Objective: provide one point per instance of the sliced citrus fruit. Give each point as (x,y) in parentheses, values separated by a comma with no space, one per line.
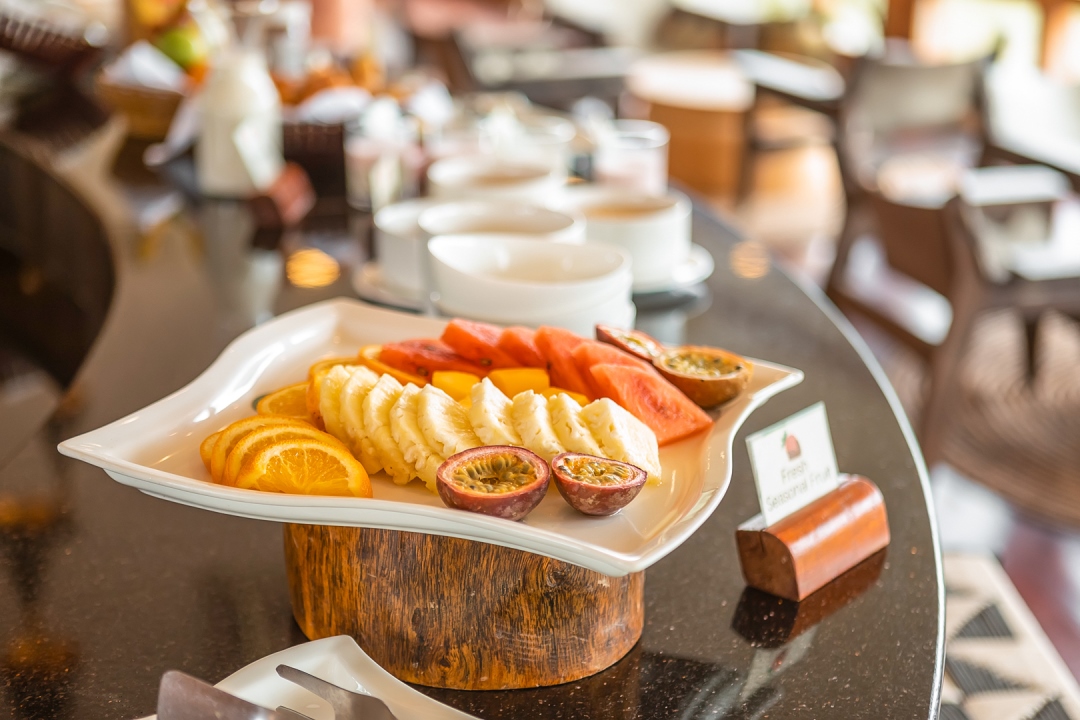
(315,375)
(259,438)
(231,435)
(305,466)
(289,401)
(206,448)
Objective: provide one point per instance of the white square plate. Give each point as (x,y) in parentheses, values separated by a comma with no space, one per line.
(156,451)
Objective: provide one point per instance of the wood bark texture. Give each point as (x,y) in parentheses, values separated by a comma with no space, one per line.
(453,613)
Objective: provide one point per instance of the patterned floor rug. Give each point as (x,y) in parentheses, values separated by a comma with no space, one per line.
(999,665)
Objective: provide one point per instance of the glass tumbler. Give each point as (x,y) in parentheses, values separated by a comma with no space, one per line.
(632,154)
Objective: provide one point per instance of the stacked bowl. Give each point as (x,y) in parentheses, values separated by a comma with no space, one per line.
(515,280)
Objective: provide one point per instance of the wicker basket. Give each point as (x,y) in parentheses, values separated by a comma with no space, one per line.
(42,42)
(149,111)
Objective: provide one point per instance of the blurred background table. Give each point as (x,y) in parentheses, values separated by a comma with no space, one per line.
(105,588)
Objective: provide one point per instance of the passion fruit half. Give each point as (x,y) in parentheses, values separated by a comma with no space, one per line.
(595,485)
(708,376)
(634,342)
(498,480)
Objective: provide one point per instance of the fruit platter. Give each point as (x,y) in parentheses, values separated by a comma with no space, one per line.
(343,414)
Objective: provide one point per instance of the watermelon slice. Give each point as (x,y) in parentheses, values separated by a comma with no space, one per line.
(520,344)
(478,342)
(423,357)
(651,399)
(591,352)
(557,346)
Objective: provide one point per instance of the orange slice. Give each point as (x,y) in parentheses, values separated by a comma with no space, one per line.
(288,401)
(255,440)
(369,355)
(231,435)
(315,375)
(305,466)
(206,448)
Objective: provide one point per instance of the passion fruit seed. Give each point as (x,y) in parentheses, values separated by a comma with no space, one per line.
(595,471)
(699,364)
(494,474)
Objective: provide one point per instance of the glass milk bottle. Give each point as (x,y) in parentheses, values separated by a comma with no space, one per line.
(238,153)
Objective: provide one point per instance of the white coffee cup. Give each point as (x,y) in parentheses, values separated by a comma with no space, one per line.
(399,246)
(483,177)
(468,217)
(654,230)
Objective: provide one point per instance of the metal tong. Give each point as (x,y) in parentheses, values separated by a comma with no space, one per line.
(183,697)
(348,705)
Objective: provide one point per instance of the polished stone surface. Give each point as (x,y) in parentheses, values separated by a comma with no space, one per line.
(102,588)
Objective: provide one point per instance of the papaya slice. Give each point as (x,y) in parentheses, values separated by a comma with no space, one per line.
(514,381)
(520,344)
(425,356)
(478,342)
(652,400)
(556,346)
(456,384)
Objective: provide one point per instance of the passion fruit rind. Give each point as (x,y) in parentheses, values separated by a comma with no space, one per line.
(634,342)
(595,485)
(497,480)
(708,376)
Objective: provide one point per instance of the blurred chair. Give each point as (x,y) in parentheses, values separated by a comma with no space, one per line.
(940,249)
(56,270)
(793,79)
(896,108)
(906,118)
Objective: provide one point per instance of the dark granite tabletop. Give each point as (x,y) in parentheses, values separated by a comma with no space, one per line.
(103,588)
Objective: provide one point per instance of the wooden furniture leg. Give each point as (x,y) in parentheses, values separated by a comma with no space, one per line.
(1031,333)
(944,369)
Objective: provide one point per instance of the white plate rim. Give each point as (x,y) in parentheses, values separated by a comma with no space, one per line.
(98,447)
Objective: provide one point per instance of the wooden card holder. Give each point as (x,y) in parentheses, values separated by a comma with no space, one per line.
(804,551)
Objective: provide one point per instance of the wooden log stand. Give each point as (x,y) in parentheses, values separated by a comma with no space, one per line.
(459,614)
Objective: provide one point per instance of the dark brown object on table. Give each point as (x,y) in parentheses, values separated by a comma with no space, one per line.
(453,613)
(149,111)
(319,148)
(799,554)
(286,202)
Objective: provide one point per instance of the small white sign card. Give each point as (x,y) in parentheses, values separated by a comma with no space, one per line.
(794,462)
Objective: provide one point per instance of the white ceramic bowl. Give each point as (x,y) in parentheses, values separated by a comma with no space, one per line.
(514,279)
(399,246)
(482,177)
(469,217)
(654,230)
